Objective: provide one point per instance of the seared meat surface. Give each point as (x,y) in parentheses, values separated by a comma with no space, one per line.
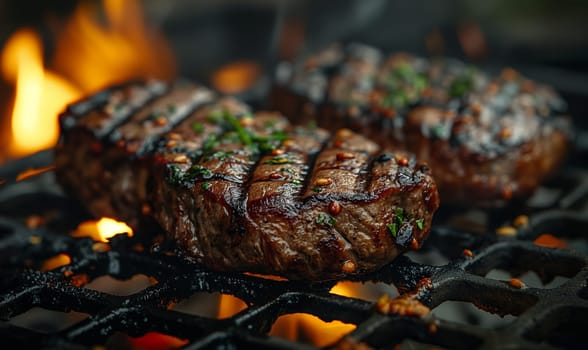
(488,140)
(243,191)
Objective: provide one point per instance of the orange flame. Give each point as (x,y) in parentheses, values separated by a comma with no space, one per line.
(300,326)
(102,229)
(89,55)
(40,95)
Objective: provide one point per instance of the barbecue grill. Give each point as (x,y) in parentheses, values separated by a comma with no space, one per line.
(545,317)
(463,268)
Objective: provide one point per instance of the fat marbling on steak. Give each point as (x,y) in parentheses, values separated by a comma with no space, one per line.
(243,191)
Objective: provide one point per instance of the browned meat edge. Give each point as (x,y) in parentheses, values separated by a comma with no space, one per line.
(240,191)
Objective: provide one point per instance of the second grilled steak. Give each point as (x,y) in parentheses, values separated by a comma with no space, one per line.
(488,140)
(242,191)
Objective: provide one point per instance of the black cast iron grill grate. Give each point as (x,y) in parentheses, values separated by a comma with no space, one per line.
(545,317)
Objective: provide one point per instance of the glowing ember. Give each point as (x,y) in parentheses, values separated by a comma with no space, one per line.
(299,326)
(40,95)
(229,306)
(159,341)
(550,241)
(236,77)
(33,172)
(55,262)
(102,229)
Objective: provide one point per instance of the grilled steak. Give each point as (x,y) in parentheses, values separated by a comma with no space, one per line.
(488,140)
(243,191)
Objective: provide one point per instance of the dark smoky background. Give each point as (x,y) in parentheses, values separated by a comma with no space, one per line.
(544,39)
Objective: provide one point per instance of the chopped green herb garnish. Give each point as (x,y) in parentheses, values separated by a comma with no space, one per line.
(331,221)
(269,123)
(206,185)
(220,155)
(198,127)
(296,182)
(326,219)
(244,135)
(397,222)
(288,170)
(215,116)
(198,171)
(321,218)
(171,108)
(419,223)
(210,143)
(317,189)
(175,176)
(278,160)
(463,83)
(399,215)
(393,230)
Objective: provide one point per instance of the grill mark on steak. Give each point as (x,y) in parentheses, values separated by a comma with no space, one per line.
(139,134)
(232,192)
(488,139)
(103,114)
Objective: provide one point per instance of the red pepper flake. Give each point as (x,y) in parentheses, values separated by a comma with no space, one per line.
(344,133)
(68,273)
(338,143)
(345,155)
(247,121)
(505,133)
(174,136)
(288,143)
(182,158)
(275,176)
(348,266)
(516,283)
(414,244)
(403,161)
(277,152)
(468,253)
(161,121)
(120,143)
(171,143)
(323,181)
(405,305)
(334,208)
